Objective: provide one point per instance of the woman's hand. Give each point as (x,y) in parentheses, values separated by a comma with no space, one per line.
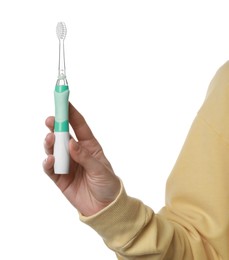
(91,184)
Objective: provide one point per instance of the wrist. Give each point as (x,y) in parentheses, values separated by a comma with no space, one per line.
(101,204)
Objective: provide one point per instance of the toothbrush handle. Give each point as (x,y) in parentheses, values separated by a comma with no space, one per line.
(61,130)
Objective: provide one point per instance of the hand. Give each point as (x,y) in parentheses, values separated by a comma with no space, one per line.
(91,184)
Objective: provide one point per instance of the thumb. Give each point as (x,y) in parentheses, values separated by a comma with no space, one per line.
(82,156)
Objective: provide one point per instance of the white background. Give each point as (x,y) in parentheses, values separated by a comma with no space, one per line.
(137,70)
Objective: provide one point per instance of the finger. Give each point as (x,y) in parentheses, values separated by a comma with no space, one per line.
(82,156)
(48,143)
(79,125)
(50,123)
(48,164)
(61,180)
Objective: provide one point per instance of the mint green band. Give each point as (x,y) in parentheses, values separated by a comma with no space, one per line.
(61,88)
(61,126)
(61,95)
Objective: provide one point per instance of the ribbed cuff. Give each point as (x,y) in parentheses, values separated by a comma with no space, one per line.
(119,222)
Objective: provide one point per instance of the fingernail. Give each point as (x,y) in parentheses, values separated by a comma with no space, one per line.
(45,161)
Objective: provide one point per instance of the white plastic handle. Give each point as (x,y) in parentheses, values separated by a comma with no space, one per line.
(61,153)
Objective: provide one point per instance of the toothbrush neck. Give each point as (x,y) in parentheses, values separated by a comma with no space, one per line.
(61,68)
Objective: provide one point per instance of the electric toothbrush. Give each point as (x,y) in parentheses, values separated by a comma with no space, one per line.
(61,95)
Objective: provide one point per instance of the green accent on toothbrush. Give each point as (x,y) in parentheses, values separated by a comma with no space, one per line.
(61,95)
(61,88)
(61,126)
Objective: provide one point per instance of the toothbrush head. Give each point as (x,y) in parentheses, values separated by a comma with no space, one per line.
(61,30)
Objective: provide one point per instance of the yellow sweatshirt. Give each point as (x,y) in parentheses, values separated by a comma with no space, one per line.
(194,224)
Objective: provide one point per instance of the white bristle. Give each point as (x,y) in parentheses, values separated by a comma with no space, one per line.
(61,30)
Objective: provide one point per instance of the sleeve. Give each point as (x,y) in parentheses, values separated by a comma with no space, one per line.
(194,223)
(197,193)
(133,231)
